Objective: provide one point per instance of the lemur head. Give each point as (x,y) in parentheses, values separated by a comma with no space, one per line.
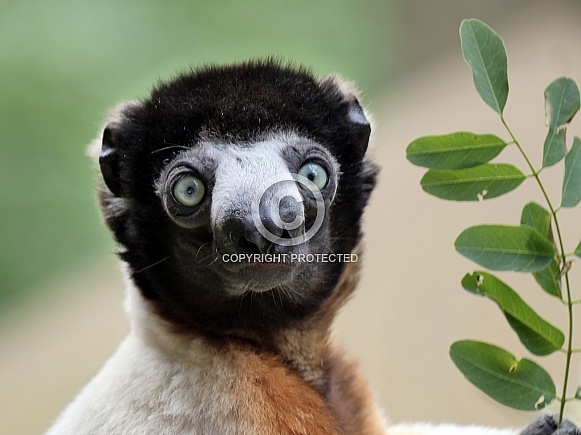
(242,159)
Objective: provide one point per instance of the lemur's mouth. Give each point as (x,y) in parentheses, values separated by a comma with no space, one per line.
(265,265)
(259,276)
(254,266)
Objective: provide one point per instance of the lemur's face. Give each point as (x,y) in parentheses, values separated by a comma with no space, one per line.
(236,193)
(250,213)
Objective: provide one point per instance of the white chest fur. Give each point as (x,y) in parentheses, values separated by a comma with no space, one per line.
(162,382)
(144,390)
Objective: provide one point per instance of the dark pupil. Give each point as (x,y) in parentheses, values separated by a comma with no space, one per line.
(312,176)
(190,190)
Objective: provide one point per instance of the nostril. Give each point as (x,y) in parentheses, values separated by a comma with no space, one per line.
(247,245)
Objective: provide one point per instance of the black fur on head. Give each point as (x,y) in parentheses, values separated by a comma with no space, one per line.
(189,125)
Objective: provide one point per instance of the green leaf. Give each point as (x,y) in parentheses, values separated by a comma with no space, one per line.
(484,52)
(572,181)
(538,335)
(537,217)
(561,104)
(473,184)
(454,151)
(550,279)
(520,384)
(578,250)
(535,343)
(500,247)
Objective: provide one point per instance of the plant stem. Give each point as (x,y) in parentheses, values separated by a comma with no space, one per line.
(536,175)
(563,259)
(569,345)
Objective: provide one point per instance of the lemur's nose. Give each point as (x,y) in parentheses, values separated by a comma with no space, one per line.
(241,236)
(270,232)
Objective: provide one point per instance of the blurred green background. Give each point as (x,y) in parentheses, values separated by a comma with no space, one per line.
(64,64)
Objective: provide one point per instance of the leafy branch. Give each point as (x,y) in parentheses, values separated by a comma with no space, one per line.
(460,169)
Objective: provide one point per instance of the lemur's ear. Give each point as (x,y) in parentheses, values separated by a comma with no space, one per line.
(107,150)
(362,125)
(355,114)
(109,159)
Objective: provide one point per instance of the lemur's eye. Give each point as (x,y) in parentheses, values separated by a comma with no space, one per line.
(188,190)
(315,173)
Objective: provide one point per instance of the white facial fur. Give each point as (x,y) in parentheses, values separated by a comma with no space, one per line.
(246,172)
